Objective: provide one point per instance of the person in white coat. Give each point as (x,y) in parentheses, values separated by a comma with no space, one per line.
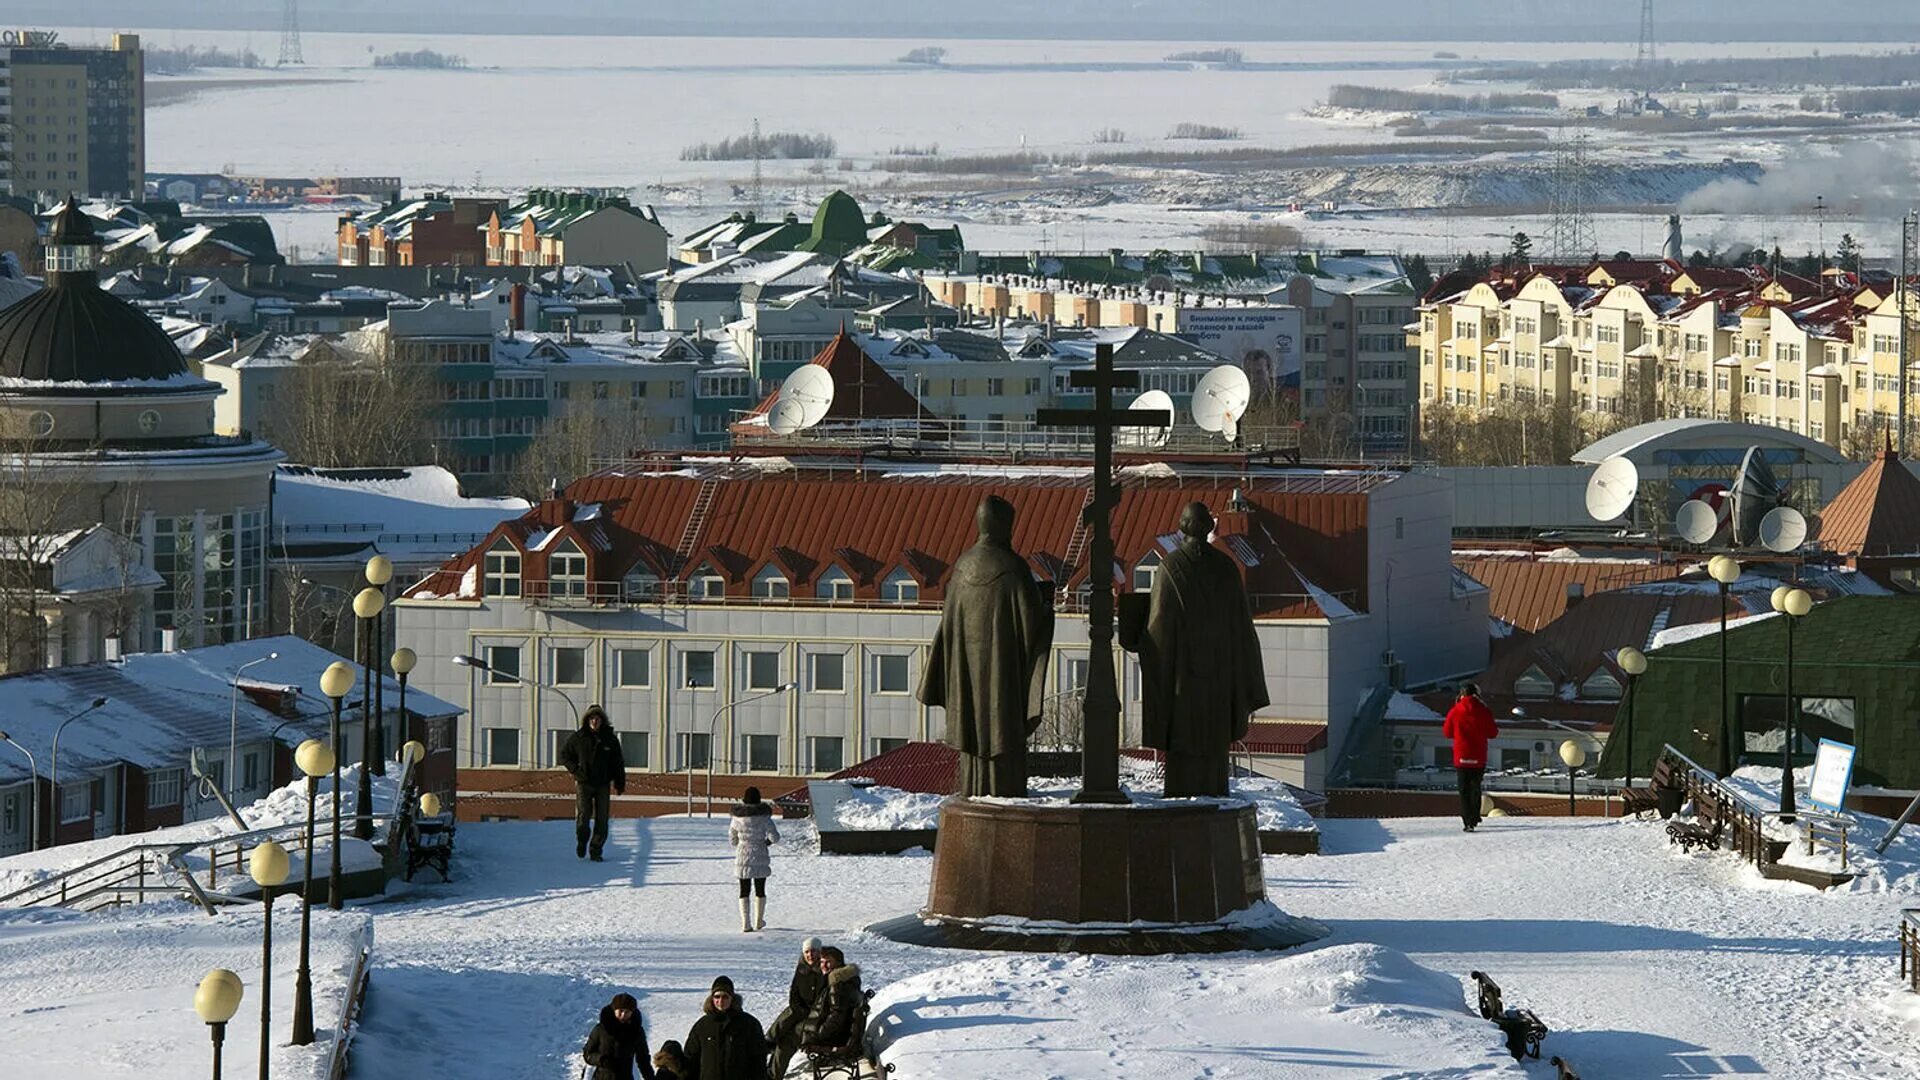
(752,835)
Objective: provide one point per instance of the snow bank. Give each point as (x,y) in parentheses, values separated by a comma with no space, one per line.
(1346,1010)
(1895,871)
(879,807)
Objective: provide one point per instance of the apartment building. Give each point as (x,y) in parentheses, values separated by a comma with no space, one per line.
(434,230)
(72,118)
(570,228)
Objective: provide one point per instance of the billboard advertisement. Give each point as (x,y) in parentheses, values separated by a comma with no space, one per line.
(1264,341)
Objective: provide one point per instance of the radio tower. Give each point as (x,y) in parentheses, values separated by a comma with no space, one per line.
(757,178)
(1643,56)
(1570,235)
(290,34)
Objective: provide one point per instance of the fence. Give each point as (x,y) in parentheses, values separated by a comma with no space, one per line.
(1910,948)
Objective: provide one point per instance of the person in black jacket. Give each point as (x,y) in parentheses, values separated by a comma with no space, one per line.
(807,984)
(592,755)
(669,1063)
(830,1023)
(618,1041)
(726,1043)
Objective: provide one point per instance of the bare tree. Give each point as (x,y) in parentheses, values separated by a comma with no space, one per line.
(567,448)
(342,409)
(44,494)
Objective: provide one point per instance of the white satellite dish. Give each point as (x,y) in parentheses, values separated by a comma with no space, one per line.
(1783,529)
(1696,522)
(1150,401)
(1611,489)
(1220,399)
(804,399)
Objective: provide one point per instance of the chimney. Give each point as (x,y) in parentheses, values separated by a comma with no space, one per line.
(169,639)
(113,648)
(1576,592)
(517,303)
(1675,247)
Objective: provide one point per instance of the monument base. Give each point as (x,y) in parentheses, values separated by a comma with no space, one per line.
(1154,876)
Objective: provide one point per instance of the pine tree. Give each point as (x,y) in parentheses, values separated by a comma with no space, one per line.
(1848,254)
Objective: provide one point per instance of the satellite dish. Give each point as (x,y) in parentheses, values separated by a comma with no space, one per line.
(1149,436)
(785,417)
(1220,399)
(1755,492)
(1696,522)
(809,391)
(1783,529)
(1611,489)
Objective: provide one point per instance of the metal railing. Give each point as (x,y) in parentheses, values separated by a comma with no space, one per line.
(1910,948)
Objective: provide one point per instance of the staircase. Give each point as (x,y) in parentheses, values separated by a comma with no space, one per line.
(1077,543)
(696,521)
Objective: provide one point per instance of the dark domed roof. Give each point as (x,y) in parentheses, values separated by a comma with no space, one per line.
(71,226)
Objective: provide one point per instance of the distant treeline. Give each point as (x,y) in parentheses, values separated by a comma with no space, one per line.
(925,54)
(1751,72)
(421,58)
(1030,161)
(1203,131)
(178,61)
(1207,56)
(776,144)
(1346,96)
(1900,101)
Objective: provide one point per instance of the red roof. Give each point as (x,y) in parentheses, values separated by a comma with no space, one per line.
(1528,593)
(1283,738)
(1878,514)
(862,390)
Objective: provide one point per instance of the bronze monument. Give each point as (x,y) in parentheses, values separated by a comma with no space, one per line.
(1200,663)
(988,665)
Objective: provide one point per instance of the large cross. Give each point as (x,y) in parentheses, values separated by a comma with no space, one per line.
(1100,707)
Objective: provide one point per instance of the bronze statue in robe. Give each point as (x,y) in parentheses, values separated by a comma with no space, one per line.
(988,665)
(1200,665)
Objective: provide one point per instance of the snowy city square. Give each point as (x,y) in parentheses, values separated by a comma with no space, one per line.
(870,540)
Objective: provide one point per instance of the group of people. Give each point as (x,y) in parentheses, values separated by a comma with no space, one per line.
(727,1042)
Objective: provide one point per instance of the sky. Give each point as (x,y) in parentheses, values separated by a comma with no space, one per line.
(1228,20)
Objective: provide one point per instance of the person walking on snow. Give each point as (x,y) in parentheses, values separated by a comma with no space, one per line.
(751,834)
(1470,724)
(726,1043)
(618,1041)
(592,755)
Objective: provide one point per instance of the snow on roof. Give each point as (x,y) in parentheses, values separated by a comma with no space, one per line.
(415,514)
(1674,635)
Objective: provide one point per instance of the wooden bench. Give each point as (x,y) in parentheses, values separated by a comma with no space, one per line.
(1637,801)
(1709,821)
(1524,1030)
(430,843)
(850,1058)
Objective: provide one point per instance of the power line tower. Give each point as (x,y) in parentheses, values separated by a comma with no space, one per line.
(290,33)
(1570,235)
(1644,56)
(758,179)
(1909,262)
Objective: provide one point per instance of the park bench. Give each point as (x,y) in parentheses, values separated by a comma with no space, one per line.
(430,843)
(1638,801)
(1524,1030)
(1709,821)
(850,1057)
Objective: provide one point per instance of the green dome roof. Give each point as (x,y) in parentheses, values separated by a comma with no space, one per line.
(839,226)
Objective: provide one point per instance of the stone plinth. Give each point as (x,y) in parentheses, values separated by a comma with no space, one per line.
(1140,878)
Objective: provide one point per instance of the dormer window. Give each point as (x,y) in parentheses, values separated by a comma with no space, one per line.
(1601,686)
(899,587)
(502,570)
(640,584)
(1143,572)
(834,586)
(707,584)
(771,584)
(1533,683)
(567,571)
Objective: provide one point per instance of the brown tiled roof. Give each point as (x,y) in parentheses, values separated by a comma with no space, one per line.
(1878,514)
(1283,738)
(1530,593)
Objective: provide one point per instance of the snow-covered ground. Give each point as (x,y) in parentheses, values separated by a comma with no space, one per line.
(879,807)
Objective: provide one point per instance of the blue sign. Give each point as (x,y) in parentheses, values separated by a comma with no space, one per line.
(1832,775)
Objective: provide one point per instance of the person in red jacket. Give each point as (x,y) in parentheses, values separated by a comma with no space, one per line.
(1470,724)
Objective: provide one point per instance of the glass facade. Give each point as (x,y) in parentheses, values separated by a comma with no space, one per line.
(213,576)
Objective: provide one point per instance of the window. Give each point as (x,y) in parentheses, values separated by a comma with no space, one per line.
(886,746)
(827,672)
(640,584)
(250,771)
(633,749)
(770,584)
(900,588)
(163,787)
(503,665)
(1533,683)
(76,802)
(1073,673)
(824,752)
(1443,757)
(696,750)
(707,584)
(1511,758)
(503,746)
(502,570)
(762,752)
(1601,686)
(1762,734)
(567,571)
(696,670)
(760,670)
(834,585)
(568,664)
(1143,572)
(10,814)
(891,674)
(633,668)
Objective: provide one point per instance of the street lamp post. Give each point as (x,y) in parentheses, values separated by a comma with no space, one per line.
(233,723)
(715,719)
(367,606)
(1633,662)
(477,664)
(1725,570)
(402,662)
(379,572)
(53,768)
(267,865)
(33,787)
(313,758)
(335,682)
(1574,756)
(1794,603)
(216,1000)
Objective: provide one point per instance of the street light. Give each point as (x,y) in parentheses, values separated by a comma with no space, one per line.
(33,771)
(430,805)
(379,572)
(233,721)
(335,682)
(313,758)
(1725,570)
(403,662)
(367,606)
(1794,603)
(478,664)
(216,1000)
(715,719)
(1575,756)
(1634,663)
(267,865)
(53,770)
